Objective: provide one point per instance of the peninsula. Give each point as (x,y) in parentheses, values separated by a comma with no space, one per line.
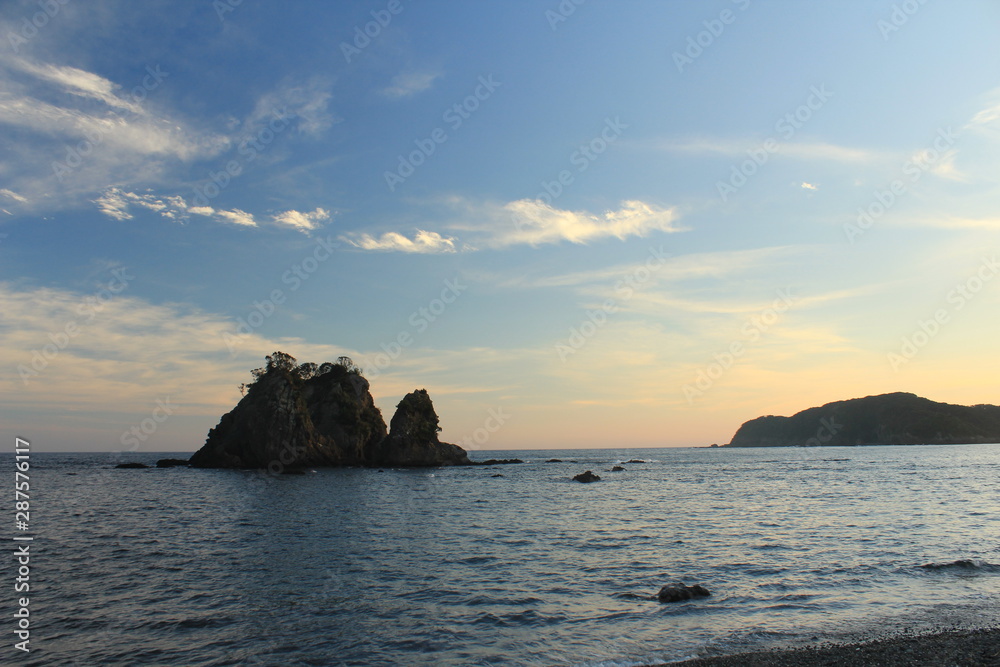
(887,419)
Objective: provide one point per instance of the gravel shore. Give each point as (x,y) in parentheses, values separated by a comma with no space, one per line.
(963,648)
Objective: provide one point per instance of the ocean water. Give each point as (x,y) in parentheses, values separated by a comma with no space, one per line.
(454,566)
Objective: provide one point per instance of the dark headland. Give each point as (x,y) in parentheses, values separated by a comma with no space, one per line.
(887,419)
(294,416)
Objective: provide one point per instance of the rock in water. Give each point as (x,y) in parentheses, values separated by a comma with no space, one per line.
(413,437)
(617,469)
(287,422)
(496,462)
(678,592)
(307,416)
(131,465)
(586,477)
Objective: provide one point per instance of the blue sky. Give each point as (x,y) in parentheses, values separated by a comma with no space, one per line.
(612,224)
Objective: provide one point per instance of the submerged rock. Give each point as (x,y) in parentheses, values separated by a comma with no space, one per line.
(617,469)
(131,465)
(678,592)
(497,462)
(587,477)
(554,461)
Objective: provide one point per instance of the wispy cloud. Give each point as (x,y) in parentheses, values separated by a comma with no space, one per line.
(304,222)
(10,194)
(237,217)
(422,242)
(117,203)
(410,83)
(533,222)
(736,148)
(809,186)
(306,102)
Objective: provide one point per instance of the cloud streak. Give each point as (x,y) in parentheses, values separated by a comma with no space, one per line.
(526,222)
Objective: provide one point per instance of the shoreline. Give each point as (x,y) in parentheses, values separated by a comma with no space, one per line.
(956,648)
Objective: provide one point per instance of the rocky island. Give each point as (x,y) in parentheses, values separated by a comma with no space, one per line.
(887,419)
(293,416)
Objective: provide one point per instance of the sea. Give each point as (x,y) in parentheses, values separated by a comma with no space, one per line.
(504,565)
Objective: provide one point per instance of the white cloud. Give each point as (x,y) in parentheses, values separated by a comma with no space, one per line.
(422,242)
(237,217)
(10,194)
(304,222)
(78,82)
(116,203)
(533,222)
(526,222)
(406,84)
(809,186)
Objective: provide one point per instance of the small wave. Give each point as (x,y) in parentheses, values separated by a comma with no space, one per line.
(965,565)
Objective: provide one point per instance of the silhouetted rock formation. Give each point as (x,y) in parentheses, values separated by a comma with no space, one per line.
(413,437)
(888,419)
(308,416)
(131,465)
(587,477)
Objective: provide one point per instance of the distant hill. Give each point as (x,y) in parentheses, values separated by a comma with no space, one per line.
(888,419)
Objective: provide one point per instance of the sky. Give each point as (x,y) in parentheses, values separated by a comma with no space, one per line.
(576,224)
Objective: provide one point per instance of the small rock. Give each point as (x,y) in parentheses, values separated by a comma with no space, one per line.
(131,465)
(497,475)
(617,469)
(554,461)
(678,592)
(586,477)
(635,461)
(496,462)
